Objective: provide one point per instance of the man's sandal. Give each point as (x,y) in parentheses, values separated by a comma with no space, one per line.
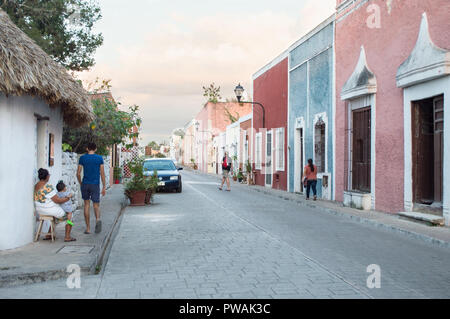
(69,240)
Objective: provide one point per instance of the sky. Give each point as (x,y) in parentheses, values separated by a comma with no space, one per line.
(159,53)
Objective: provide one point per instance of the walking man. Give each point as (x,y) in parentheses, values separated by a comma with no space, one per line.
(93,167)
(226,168)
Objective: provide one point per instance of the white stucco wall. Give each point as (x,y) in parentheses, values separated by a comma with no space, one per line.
(233,142)
(18,164)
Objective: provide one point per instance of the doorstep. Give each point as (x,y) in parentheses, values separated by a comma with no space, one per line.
(427,218)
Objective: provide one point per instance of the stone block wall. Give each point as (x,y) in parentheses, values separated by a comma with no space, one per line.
(69,175)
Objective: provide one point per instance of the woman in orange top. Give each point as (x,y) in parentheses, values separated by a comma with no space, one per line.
(310,176)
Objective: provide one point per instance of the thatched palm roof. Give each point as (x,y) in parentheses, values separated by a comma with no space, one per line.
(25,69)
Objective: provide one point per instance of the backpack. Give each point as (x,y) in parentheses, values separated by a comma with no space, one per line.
(225,164)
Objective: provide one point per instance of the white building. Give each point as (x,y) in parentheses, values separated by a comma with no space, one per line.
(36,97)
(176,140)
(236,142)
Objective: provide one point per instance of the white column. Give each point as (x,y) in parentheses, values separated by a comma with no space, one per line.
(446,169)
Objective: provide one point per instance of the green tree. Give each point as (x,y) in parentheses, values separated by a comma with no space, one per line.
(110,126)
(212,93)
(179,132)
(153,145)
(62,28)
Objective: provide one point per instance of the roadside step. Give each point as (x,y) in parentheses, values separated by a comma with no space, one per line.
(421,217)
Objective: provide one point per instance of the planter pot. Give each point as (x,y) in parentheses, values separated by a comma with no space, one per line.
(148,198)
(117,181)
(240,180)
(249,178)
(362,201)
(138,198)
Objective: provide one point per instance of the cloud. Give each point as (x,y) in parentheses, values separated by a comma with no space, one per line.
(165,71)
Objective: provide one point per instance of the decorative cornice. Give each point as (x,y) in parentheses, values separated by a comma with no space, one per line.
(361,82)
(426,61)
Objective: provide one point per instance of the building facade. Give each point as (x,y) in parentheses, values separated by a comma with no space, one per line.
(246,144)
(270,88)
(37,96)
(188,144)
(175,146)
(209,123)
(311,108)
(392,87)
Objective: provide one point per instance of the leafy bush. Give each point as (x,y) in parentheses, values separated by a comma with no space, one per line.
(159,155)
(110,126)
(117,172)
(66,147)
(140,182)
(248,167)
(212,93)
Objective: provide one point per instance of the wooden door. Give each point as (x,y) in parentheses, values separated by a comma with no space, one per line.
(423,151)
(438,148)
(361,159)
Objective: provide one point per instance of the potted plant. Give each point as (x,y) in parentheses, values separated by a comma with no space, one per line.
(140,189)
(117,175)
(194,166)
(248,170)
(152,187)
(235,177)
(240,176)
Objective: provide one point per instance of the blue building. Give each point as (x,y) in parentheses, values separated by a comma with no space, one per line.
(311,108)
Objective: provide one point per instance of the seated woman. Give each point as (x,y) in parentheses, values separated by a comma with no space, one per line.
(47,202)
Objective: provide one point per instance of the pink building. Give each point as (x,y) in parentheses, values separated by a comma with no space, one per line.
(270,88)
(209,123)
(392,86)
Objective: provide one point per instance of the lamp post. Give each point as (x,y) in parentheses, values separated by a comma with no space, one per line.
(239,91)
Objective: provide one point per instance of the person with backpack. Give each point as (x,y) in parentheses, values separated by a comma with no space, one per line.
(310,179)
(226,168)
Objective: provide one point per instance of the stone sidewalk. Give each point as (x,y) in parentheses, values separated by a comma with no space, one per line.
(439,236)
(44,260)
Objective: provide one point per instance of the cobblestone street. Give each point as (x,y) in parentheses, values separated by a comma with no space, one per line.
(204,243)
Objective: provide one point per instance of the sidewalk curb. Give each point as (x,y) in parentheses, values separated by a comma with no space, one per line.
(107,242)
(394,229)
(14,280)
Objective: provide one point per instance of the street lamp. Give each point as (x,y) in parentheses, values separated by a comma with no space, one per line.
(239,91)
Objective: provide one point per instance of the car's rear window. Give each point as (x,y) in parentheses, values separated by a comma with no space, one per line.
(159,166)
